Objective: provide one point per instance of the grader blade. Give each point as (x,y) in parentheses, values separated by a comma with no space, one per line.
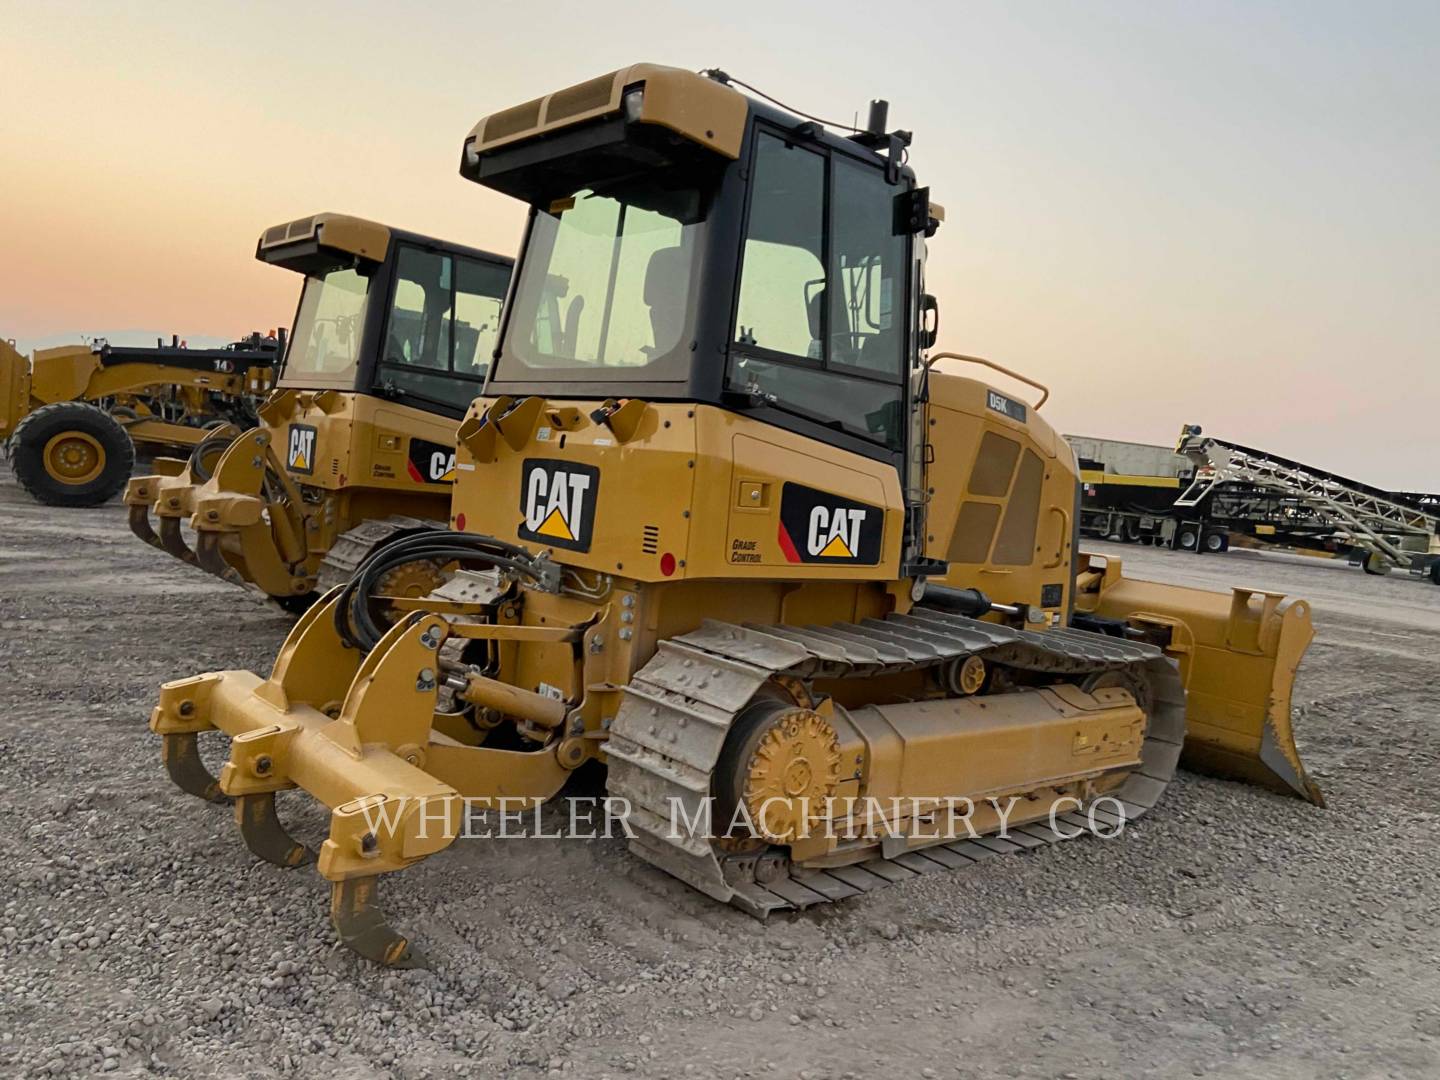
(1238,655)
(181,755)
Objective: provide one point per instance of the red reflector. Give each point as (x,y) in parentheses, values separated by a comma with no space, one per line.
(460,522)
(667,564)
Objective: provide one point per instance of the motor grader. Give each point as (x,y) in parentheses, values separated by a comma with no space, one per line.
(727,524)
(356,445)
(71,417)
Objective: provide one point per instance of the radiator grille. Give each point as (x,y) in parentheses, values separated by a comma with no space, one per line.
(650,542)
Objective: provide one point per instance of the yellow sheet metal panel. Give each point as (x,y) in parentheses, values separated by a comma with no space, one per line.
(14,388)
(572,485)
(343,232)
(695,107)
(1003,742)
(62,374)
(1238,654)
(1098,476)
(1027,475)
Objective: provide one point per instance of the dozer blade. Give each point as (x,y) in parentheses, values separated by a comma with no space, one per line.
(173,542)
(181,754)
(1238,655)
(265,836)
(362,925)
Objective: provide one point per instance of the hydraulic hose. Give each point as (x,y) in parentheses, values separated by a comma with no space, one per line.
(354,617)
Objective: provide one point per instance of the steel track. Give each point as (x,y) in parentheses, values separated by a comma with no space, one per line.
(666,739)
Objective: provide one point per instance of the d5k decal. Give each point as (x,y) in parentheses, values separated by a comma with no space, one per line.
(557,501)
(431,463)
(817,527)
(300,450)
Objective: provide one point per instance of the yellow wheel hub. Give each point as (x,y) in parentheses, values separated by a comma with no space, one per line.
(73,457)
(792,774)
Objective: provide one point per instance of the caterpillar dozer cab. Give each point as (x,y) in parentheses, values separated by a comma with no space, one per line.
(72,417)
(356,445)
(724,525)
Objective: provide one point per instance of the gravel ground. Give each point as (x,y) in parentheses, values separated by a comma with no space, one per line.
(1231,933)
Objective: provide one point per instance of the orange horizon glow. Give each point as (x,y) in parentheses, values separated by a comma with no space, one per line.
(1221,214)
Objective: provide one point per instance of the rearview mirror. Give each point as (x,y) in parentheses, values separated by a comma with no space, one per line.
(929,321)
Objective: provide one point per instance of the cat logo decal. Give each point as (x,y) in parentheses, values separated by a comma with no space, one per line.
(817,527)
(557,503)
(300,449)
(430,463)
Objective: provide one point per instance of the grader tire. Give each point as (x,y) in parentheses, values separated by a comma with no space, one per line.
(71,453)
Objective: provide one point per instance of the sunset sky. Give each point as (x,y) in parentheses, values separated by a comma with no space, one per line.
(1218,213)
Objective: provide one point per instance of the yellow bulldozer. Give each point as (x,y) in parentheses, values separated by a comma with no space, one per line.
(71,417)
(725,523)
(356,445)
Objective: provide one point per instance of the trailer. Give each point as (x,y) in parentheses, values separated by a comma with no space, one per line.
(1128,495)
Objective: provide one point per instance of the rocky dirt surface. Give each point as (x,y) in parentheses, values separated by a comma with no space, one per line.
(1233,932)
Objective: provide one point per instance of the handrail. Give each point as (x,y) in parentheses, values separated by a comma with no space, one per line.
(1044,390)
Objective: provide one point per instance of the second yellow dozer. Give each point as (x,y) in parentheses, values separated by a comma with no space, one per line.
(726,525)
(355,446)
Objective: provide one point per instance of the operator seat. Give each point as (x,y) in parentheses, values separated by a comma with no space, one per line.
(667,288)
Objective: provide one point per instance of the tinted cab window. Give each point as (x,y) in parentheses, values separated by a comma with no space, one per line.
(440,334)
(819,328)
